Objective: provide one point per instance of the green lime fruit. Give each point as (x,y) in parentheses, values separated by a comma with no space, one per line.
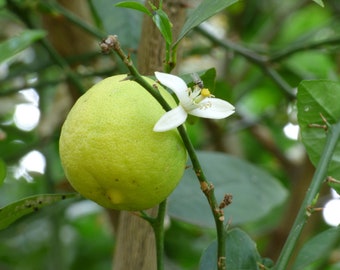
(109,151)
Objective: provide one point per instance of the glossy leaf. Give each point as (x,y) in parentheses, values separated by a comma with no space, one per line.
(317,249)
(159,17)
(208,77)
(241,253)
(124,22)
(18,209)
(255,192)
(12,46)
(134,5)
(3,171)
(203,12)
(316,98)
(319,2)
(162,22)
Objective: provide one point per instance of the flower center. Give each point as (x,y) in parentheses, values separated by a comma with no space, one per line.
(196,96)
(199,95)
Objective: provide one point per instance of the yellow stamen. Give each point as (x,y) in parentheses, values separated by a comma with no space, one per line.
(205,92)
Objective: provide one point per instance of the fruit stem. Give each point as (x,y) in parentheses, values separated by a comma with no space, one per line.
(157,224)
(158,228)
(207,188)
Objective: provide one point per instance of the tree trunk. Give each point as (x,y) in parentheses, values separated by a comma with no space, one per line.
(151,51)
(68,40)
(135,246)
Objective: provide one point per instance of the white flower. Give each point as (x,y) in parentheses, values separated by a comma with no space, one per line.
(198,102)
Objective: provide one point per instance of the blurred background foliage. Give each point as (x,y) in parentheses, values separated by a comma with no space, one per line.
(261,50)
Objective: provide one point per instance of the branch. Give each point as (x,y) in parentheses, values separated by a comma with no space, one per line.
(257,59)
(278,56)
(312,193)
(111,43)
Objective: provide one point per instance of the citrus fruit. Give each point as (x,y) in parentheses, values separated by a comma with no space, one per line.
(109,151)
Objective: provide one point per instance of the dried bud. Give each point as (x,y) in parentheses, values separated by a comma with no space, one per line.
(107,44)
(228,199)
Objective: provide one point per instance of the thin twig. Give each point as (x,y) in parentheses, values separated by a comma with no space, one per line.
(255,58)
(278,56)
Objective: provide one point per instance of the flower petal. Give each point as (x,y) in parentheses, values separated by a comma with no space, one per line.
(170,120)
(213,108)
(175,83)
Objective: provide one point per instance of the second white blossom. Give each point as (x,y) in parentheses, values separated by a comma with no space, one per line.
(198,102)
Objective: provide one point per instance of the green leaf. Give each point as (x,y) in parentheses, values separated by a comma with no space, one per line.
(316,98)
(16,210)
(255,192)
(162,22)
(134,5)
(319,2)
(300,29)
(203,12)
(259,101)
(125,21)
(16,141)
(301,64)
(208,78)
(317,249)
(241,253)
(3,171)
(12,46)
